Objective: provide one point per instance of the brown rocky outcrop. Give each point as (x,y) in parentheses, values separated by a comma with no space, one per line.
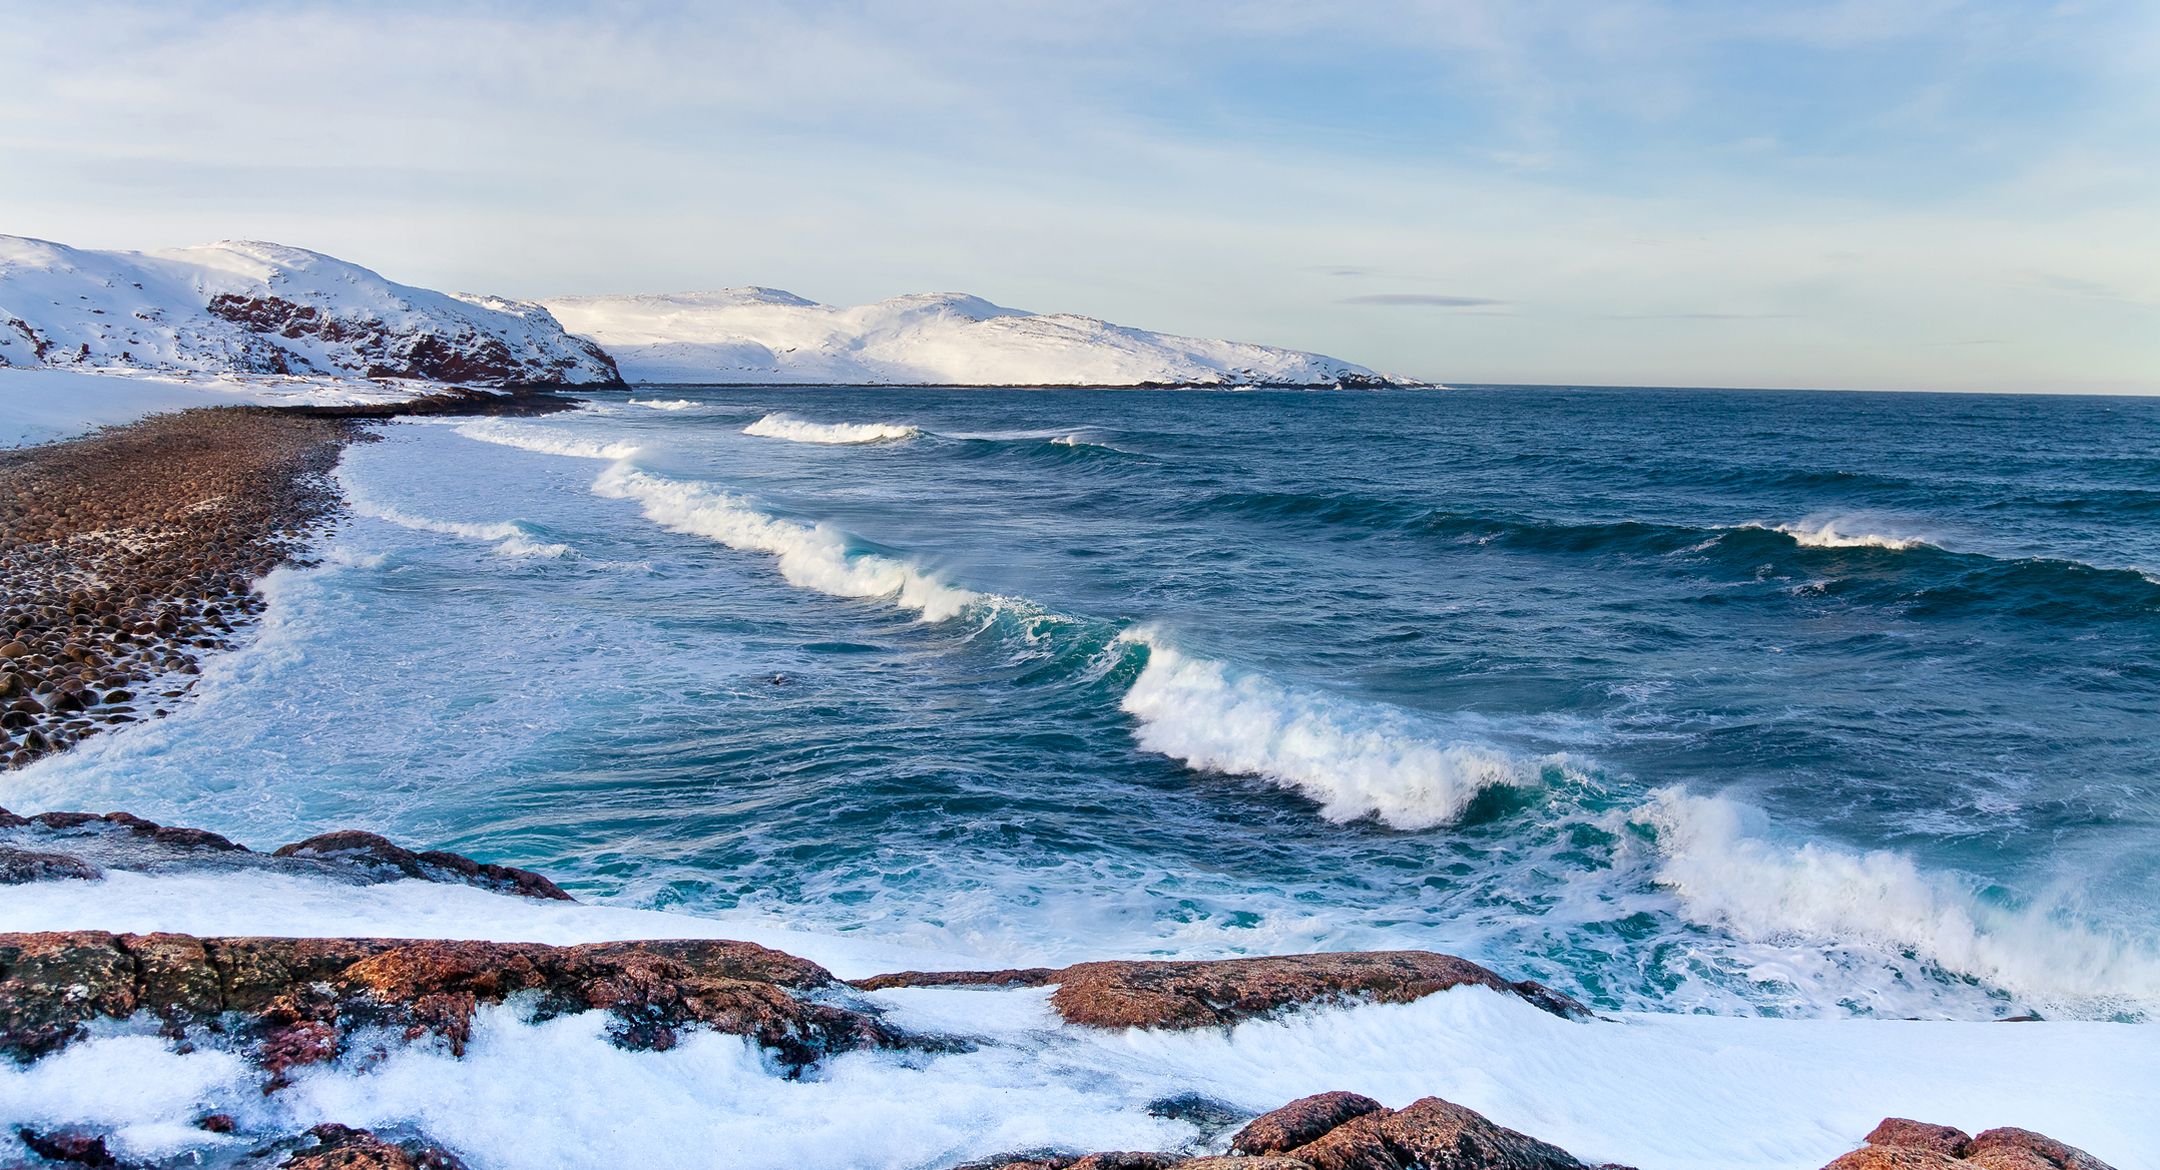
(1903,1144)
(299,999)
(1157,994)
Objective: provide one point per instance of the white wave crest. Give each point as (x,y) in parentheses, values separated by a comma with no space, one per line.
(1727,875)
(1356,759)
(671,404)
(545,440)
(514,540)
(810,557)
(795,430)
(1846,532)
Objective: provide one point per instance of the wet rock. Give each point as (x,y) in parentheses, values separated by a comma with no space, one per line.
(1149,994)
(1128,1160)
(79,1149)
(1305,1120)
(215,1123)
(21,865)
(1918,1135)
(2010,1148)
(339,1147)
(368,850)
(304,994)
(1901,1143)
(1431,1134)
(1245,1162)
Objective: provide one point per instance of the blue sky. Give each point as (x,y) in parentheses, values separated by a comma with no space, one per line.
(1923,195)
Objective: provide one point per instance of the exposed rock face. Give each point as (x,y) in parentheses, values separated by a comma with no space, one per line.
(79,846)
(1903,1144)
(1304,1120)
(368,851)
(300,998)
(1148,994)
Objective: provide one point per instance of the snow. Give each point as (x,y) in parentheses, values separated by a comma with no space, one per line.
(44,405)
(765,335)
(243,306)
(1678,1092)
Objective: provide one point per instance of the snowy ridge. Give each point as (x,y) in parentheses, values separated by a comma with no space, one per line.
(242,306)
(938,339)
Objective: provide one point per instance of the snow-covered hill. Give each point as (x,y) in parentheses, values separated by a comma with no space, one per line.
(765,335)
(247,307)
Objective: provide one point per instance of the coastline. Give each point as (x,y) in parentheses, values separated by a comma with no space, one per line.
(190,559)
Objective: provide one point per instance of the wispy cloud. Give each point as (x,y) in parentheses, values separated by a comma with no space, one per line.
(1419,299)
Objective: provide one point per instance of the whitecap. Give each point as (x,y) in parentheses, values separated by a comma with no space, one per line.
(811,557)
(1717,856)
(795,430)
(1356,759)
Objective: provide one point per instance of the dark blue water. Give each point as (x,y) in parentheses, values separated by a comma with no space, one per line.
(1801,703)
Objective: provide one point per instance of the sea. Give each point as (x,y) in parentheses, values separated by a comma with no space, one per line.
(1687,703)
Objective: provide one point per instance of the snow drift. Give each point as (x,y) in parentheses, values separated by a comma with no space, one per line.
(939,339)
(242,306)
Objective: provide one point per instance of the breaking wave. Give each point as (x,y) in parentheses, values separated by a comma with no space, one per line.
(811,557)
(658,404)
(516,537)
(1356,759)
(1726,874)
(795,430)
(1840,532)
(545,441)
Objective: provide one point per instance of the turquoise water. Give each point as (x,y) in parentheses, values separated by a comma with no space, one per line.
(1790,703)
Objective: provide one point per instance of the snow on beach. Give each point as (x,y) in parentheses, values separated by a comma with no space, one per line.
(44,406)
(766,335)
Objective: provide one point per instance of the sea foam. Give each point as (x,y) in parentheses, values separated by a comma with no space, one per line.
(545,440)
(1847,532)
(1716,855)
(795,430)
(811,557)
(1356,759)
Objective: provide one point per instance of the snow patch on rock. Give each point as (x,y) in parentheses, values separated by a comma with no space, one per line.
(246,307)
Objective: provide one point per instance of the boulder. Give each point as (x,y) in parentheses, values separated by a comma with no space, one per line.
(2010,1148)
(1244,1162)
(339,1147)
(1431,1134)
(1305,1120)
(1918,1135)
(1128,1160)
(22,865)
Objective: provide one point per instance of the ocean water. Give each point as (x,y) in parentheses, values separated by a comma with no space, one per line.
(1740,703)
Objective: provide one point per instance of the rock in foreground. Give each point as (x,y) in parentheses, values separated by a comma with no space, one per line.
(1201,994)
(1903,1144)
(297,1001)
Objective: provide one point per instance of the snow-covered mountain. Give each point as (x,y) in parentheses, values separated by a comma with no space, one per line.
(242,306)
(765,335)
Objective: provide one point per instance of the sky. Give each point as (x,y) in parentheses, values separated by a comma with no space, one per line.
(1921,194)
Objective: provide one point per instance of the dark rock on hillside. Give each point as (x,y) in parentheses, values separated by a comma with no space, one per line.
(78,845)
(1150,994)
(1903,1144)
(299,999)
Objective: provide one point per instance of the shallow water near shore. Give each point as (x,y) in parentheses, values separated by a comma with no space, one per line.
(1742,703)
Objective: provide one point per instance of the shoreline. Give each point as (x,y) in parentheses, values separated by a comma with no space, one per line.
(127,553)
